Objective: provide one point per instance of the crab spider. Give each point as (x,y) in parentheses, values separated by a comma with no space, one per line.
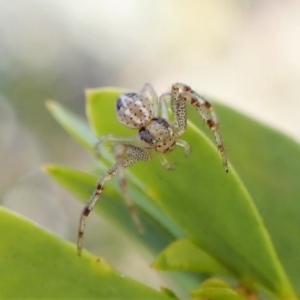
(148,113)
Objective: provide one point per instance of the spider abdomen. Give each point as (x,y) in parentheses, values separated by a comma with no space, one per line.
(157,135)
(133,110)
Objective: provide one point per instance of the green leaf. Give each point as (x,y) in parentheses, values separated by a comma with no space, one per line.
(269,164)
(216,294)
(169,293)
(216,289)
(186,256)
(213,208)
(38,265)
(111,206)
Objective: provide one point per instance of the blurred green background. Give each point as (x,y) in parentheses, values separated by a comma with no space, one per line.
(245,53)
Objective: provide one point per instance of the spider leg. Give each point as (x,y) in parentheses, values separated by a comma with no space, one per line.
(182,93)
(164,105)
(111,138)
(135,154)
(165,163)
(185,145)
(148,89)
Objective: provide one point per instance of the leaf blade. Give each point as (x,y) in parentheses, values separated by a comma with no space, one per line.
(186,256)
(251,255)
(112,207)
(271,178)
(55,269)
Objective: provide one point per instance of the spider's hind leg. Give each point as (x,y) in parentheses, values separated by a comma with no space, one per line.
(111,138)
(126,155)
(134,154)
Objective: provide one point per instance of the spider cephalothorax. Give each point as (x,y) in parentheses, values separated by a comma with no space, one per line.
(157,135)
(148,113)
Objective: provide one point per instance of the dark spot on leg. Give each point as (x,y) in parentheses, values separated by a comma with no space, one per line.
(80,234)
(86,211)
(131,208)
(210,123)
(194,101)
(221,148)
(207,105)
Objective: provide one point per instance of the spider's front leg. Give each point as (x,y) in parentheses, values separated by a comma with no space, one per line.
(133,154)
(182,93)
(149,89)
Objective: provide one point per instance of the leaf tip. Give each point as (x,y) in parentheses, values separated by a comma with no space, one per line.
(48,168)
(51,104)
(88,93)
(159,263)
(45,168)
(154,266)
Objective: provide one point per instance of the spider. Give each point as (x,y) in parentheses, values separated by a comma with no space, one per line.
(148,113)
